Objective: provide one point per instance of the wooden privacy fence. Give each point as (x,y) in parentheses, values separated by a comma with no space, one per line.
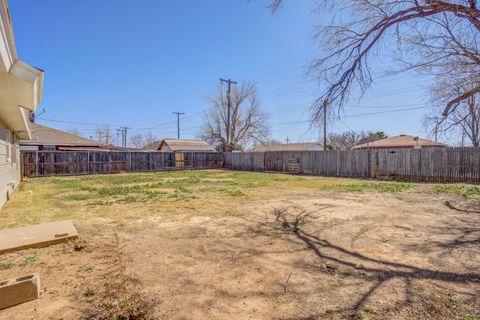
(60,163)
(430,164)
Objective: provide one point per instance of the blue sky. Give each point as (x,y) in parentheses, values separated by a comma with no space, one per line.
(124,63)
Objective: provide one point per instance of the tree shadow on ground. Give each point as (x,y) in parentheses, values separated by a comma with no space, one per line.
(452,207)
(377,272)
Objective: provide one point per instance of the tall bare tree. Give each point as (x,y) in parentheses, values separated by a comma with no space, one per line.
(353,33)
(247,123)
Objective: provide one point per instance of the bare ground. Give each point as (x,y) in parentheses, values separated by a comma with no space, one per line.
(293,253)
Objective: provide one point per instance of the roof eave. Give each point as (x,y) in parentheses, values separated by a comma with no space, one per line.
(28,82)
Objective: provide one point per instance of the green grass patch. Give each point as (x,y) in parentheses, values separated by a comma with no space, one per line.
(368,186)
(78,197)
(235,193)
(31,258)
(88,292)
(255,180)
(459,189)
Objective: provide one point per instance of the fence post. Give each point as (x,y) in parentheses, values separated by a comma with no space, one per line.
(36,163)
(130,161)
(22,167)
(88,162)
(369,164)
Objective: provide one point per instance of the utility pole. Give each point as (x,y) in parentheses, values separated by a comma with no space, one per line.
(288,140)
(325,105)
(107,135)
(229,104)
(178,123)
(124,131)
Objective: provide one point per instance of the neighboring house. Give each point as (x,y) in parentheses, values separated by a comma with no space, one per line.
(403,141)
(20,94)
(49,139)
(302,146)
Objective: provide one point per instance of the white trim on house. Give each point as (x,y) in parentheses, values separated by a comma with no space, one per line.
(7,43)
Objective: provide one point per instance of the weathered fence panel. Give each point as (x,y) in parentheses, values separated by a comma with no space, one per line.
(429,164)
(60,163)
(246,161)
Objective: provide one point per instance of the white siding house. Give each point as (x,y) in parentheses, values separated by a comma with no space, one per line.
(20,94)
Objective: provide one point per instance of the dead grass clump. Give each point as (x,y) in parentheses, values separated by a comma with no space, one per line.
(120,296)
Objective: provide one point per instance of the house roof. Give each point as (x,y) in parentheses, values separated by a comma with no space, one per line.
(302,146)
(42,135)
(186,145)
(403,140)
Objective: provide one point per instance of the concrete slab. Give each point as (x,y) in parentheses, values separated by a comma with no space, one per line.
(19,290)
(36,236)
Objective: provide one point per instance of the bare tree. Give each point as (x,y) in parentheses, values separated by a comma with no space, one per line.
(104,135)
(248,122)
(465,119)
(343,141)
(346,140)
(137,141)
(354,32)
(149,138)
(142,140)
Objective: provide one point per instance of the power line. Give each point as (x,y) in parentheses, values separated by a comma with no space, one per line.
(292,124)
(80,123)
(352,116)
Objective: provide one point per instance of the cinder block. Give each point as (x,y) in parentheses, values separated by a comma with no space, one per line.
(19,290)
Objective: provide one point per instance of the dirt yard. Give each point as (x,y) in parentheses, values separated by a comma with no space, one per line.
(230,245)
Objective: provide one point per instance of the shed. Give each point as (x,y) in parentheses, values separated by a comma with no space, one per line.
(183,149)
(184,145)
